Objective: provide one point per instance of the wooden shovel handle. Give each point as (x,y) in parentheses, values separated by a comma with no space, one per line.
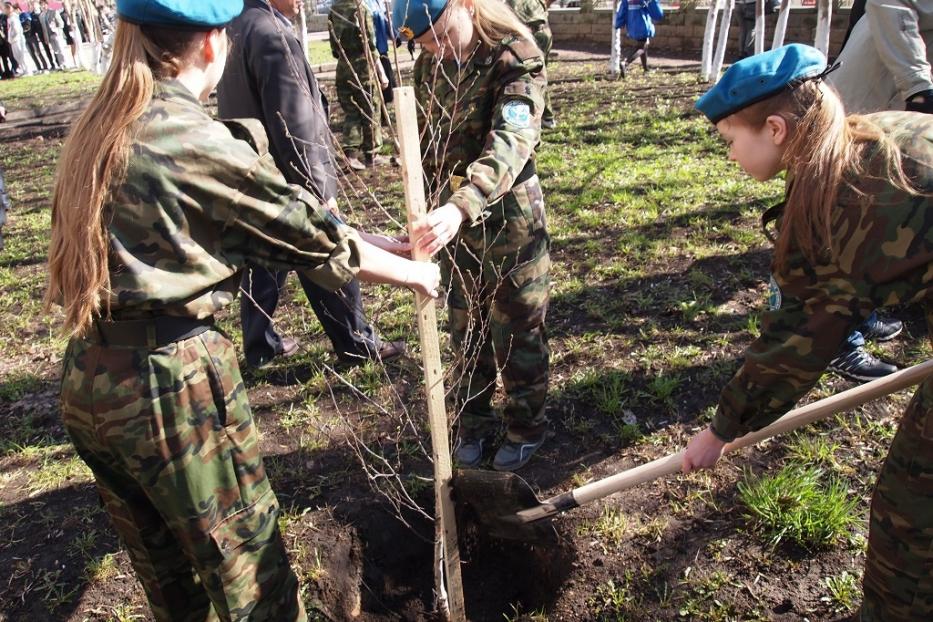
(794,419)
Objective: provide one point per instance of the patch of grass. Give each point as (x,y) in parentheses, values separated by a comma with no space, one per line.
(319,53)
(103,569)
(812,450)
(56,471)
(609,529)
(18,386)
(794,505)
(844,592)
(611,602)
(47,89)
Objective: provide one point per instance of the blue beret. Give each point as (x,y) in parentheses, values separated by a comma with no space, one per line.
(758,77)
(184,13)
(413,18)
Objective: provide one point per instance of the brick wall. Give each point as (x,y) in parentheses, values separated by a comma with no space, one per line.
(682,29)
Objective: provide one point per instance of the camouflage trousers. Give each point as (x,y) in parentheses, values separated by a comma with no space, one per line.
(545,41)
(898,582)
(170,439)
(358,95)
(498,277)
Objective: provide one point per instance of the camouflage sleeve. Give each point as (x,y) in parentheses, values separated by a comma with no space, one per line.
(275,224)
(797,342)
(512,138)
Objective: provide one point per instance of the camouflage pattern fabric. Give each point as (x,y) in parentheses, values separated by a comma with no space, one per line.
(898,579)
(481,123)
(353,44)
(200,198)
(885,242)
(170,438)
(167,432)
(534,14)
(884,238)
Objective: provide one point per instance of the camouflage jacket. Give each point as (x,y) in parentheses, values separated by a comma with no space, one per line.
(481,121)
(201,197)
(532,13)
(884,238)
(347,40)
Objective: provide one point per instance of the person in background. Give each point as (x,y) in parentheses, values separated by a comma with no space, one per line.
(70,31)
(886,62)
(32,30)
(268,78)
(853,235)
(359,76)
(637,18)
(52,26)
(9,67)
(383,35)
(17,37)
(142,255)
(481,80)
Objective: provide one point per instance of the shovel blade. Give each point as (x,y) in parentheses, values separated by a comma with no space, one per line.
(495,498)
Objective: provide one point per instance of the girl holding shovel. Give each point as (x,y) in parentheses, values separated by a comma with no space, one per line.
(855,232)
(481,82)
(156,209)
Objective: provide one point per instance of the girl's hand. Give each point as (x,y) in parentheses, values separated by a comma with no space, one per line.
(436,229)
(424,277)
(703,451)
(397,246)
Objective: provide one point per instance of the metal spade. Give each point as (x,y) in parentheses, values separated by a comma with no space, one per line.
(507,507)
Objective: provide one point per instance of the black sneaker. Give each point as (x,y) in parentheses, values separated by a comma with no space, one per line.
(513,455)
(859,364)
(881,330)
(468,451)
(920,102)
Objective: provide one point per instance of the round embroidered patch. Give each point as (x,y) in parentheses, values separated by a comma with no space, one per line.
(517,113)
(774,295)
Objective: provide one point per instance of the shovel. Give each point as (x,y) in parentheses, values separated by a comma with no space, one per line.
(506,506)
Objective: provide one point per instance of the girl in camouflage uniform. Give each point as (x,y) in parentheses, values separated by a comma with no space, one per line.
(481,81)
(156,209)
(855,232)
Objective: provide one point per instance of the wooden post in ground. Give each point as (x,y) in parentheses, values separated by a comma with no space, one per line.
(759,26)
(448,582)
(723,40)
(303,33)
(824,15)
(709,34)
(781,27)
(615,54)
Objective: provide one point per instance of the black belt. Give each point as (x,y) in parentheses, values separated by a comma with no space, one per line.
(152,332)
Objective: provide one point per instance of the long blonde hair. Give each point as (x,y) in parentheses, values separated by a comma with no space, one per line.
(495,21)
(826,153)
(93,162)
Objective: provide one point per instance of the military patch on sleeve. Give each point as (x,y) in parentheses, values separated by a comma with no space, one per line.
(774,295)
(517,113)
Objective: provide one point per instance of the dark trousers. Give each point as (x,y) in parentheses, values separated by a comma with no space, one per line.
(35,50)
(340,314)
(7,60)
(4,206)
(48,54)
(641,49)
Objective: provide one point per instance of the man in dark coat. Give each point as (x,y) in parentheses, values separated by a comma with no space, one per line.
(268,78)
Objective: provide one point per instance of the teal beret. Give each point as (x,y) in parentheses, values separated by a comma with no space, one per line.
(413,18)
(759,77)
(204,14)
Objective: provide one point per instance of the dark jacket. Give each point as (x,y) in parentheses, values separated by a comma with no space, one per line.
(268,78)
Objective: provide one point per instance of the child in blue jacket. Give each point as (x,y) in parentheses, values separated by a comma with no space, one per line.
(637,17)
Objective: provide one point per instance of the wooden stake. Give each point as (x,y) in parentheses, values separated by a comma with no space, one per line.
(716,70)
(824,18)
(781,27)
(759,26)
(709,34)
(448,581)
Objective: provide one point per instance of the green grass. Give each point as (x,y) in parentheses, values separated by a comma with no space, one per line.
(795,505)
(38,91)
(319,53)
